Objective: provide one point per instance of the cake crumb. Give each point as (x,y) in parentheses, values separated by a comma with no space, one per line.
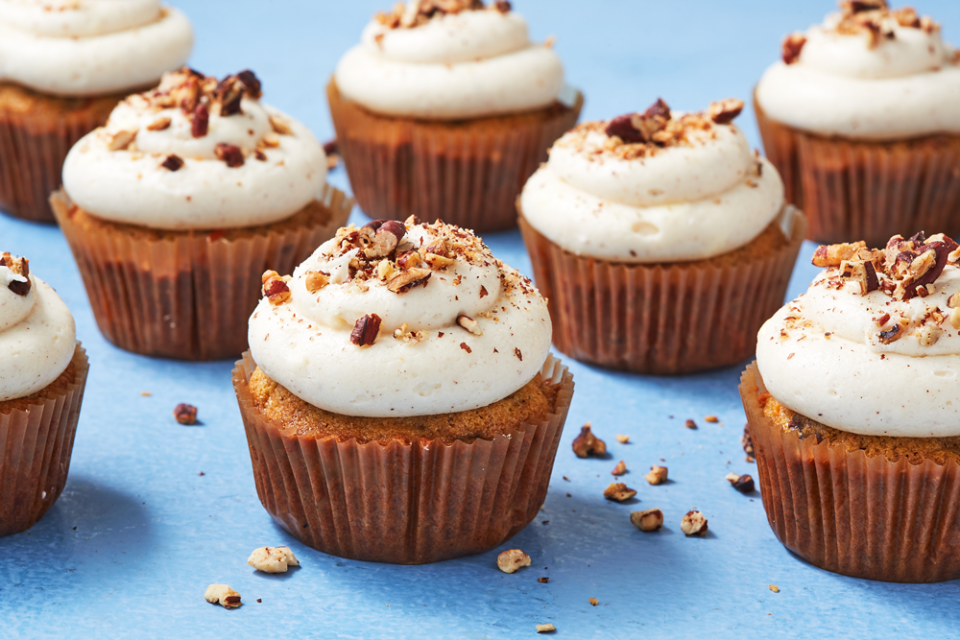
(223,595)
(272,559)
(512,560)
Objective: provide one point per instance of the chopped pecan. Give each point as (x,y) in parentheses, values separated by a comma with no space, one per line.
(634,127)
(185,414)
(690,424)
(694,523)
(618,491)
(620,469)
(657,475)
(408,260)
(408,279)
(275,287)
(545,628)
(230,96)
(502,6)
(121,140)
(586,444)
(273,559)
(512,560)
(200,123)
(378,239)
(254,88)
(230,154)
(834,255)
(724,111)
(469,324)
(223,595)
(280,126)
(159,124)
(365,330)
(792,46)
(316,280)
(743,484)
(172,163)
(622,439)
(21,268)
(647,520)
(893,334)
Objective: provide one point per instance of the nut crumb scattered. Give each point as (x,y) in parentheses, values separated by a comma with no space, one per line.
(622,439)
(593,601)
(513,560)
(146,394)
(690,424)
(694,523)
(657,475)
(711,418)
(272,559)
(185,413)
(543,580)
(648,520)
(546,628)
(743,484)
(586,444)
(620,469)
(223,595)
(618,491)
(774,588)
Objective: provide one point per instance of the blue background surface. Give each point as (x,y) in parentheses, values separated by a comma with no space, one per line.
(138,534)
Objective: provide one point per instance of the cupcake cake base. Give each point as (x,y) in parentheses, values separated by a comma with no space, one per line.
(880,508)
(36,442)
(857,190)
(466,173)
(411,500)
(188,294)
(665,318)
(36,132)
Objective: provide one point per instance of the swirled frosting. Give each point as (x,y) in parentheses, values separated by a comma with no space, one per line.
(655,187)
(397,319)
(866,73)
(196,153)
(37,333)
(90,47)
(465,61)
(873,347)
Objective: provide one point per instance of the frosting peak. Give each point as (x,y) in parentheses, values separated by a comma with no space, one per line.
(196,153)
(401,319)
(37,334)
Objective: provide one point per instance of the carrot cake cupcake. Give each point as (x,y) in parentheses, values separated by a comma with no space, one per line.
(862,118)
(399,398)
(175,207)
(660,239)
(64,65)
(852,407)
(444,110)
(43,371)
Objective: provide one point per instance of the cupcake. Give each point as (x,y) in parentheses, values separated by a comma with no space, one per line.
(43,371)
(862,118)
(852,409)
(660,239)
(179,203)
(445,109)
(64,66)
(399,398)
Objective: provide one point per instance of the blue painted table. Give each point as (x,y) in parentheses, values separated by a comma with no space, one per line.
(140,532)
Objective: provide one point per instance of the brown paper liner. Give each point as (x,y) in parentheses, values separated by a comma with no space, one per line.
(852,190)
(660,318)
(402,503)
(467,173)
(860,516)
(35,448)
(36,132)
(187,295)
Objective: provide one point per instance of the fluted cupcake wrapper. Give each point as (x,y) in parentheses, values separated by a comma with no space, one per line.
(34,143)
(660,318)
(397,502)
(187,295)
(467,173)
(858,190)
(35,448)
(845,512)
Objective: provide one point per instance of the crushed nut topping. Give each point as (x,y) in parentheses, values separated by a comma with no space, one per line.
(657,475)
(792,46)
(622,439)
(546,628)
(223,595)
(121,140)
(618,491)
(365,330)
(419,12)
(409,337)
(231,154)
(275,287)
(586,444)
(185,414)
(694,524)
(172,162)
(620,469)
(272,559)
(593,602)
(513,560)
(470,325)
(647,520)
(690,424)
(20,284)
(159,124)
(743,484)
(878,22)
(746,440)
(316,280)
(200,124)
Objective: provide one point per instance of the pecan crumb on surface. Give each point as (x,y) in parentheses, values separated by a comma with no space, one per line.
(622,439)
(648,520)
(712,419)
(725,111)
(694,523)
(746,440)
(546,628)
(543,580)
(365,330)
(792,46)
(774,588)
(593,601)
(185,413)
(620,469)
(618,491)
(657,475)
(230,154)
(272,559)
(223,595)
(172,162)
(690,424)
(743,484)
(586,444)
(513,560)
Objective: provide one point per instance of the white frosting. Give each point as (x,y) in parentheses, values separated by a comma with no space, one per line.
(851,381)
(37,337)
(131,186)
(907,86)
(683,203)
(465,65)
(305,344)
(90,47)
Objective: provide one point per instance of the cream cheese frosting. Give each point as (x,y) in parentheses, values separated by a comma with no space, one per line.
(866,73)
(397,319)
(691,190)
(37,333)
(873,347)
(90,47)
(196,153)
(424,62)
